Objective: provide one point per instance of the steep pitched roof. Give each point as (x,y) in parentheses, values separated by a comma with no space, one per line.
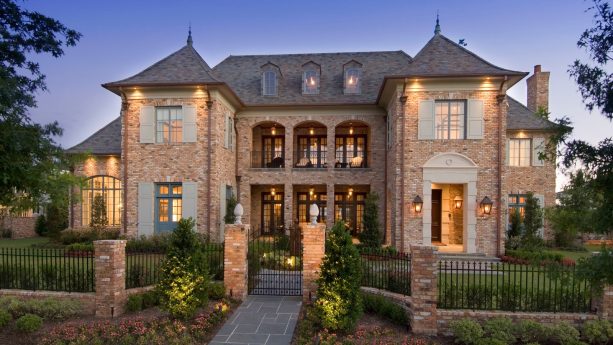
(106,141)
(185,66)
(243,74)
(443,57)
(520,117)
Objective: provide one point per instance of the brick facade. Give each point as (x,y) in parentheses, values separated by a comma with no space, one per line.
(424,270)
(313,251)
(21,227)
(235,260)
(110,277)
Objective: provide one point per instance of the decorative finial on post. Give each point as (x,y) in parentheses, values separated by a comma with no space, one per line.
(238,214)
(437,28)
(189,36)
(314,213)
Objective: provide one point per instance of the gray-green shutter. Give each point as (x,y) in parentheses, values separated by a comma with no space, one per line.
(190,200)
(508,151)
(147,124)
(474,121)
(145,208)
(189,124)
(425,125)
(541,199)
(538,146)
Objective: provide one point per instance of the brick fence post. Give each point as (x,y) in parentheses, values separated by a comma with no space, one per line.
(313,251)
(603,303)
(110,277)
(424,271)
(235,260)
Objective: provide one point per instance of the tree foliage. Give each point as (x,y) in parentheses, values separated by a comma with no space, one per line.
(230,218)
(99,218)
(371,235)
(533,217)
(30,159)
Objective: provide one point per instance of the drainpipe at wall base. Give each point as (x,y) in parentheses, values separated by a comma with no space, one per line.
(209,105)
(500,98)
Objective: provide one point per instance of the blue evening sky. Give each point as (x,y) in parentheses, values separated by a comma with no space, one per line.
(121,38)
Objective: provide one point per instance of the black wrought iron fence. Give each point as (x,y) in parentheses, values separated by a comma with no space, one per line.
(47,269)
(386,269)
(511,287)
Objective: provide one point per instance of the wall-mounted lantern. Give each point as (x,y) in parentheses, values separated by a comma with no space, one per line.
(273,191)
(486,205)
(350,192)
(273,131)
(457,202)
(417,204)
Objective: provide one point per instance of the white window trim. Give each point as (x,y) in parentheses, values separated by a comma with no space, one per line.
(155,125)
(275,82)
(529,140)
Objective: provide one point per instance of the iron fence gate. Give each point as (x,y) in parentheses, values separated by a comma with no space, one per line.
(275,263)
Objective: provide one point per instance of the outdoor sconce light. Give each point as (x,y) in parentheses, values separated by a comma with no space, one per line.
(313,212)
(311,131)
(273,191)
(311,191)
(350,192)
(457,202)
(273,131)
(486,205)
(417,204)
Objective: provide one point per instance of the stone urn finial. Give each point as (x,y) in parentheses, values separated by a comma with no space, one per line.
(238,213)
(314,212)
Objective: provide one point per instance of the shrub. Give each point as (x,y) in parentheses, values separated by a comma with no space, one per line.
(564,334)
(338,302)
(529,331)
(534,257)
(598,331)
(136,276)
(385,308)
(41,225)
(29,323)
(466,331)
(6,232)
(48,308)
(57,218)
(135,302)
(150,299)
(500,329)
(230,218)
(154,243)
(71,236)
(5,318)
(217,291)
(370,237)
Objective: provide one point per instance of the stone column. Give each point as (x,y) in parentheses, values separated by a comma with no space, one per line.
(603,304)
(110,277)
(424,270)
(235,260)
(314,248)
(330,205)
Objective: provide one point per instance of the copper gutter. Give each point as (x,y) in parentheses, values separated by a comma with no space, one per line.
(124,160)
(209,105)
(500,100)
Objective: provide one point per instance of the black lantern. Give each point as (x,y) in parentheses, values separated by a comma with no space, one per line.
(486,205)
(417,204)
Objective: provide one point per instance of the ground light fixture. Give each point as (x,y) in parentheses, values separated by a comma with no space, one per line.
(417,204)
(486,205)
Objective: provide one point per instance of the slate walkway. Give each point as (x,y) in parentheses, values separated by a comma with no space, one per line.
(268,320)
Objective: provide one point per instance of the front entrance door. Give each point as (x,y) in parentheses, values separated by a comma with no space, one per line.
(436,214)
(272,213)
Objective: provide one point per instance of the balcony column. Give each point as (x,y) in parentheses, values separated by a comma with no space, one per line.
(289,149)
(330,154)
(330,205)
(288,204)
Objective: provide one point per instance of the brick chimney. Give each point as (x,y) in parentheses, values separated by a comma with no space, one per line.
(538,89)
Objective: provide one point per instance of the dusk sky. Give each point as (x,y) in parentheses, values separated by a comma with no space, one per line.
(121,38)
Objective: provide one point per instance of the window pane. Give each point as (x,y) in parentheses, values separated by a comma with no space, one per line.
(176,209)
(163,210)
(163,189)
(177,190)
(311,82)
(449,119)
(352,80)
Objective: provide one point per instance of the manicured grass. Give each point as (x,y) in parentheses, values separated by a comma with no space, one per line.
(23,242)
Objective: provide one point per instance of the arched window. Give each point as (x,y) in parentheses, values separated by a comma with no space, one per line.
(110,189)
(269,83)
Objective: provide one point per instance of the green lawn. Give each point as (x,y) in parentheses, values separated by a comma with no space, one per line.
(22,242)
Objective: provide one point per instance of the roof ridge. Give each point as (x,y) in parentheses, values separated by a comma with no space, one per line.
(323,53)
(95,133)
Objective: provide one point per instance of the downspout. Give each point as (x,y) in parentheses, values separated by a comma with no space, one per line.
(403,101)
(209,105)
(386,120)
(500,98)
(238,178)
(124,159)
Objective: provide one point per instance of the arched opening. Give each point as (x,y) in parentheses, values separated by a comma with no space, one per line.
(351,145)
(268,146)
(311,143)
(108,190)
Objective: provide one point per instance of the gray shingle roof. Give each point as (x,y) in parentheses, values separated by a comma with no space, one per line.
(243,74)
(106,141)
(185,66)
(443,57)
(520,117)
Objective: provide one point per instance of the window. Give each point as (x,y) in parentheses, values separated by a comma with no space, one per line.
(168,206)
(352,80)
(517,203)
(310,82)
(304,203)
(110,189)
(311,152)
(269,83)
(169,124)
(273,152)
(519,152)
(350,151)
(229,133)
(349,207)
(272,212)
(450,119)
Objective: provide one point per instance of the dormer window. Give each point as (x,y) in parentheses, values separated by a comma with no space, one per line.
(310,82)
(353,76)
(269,83)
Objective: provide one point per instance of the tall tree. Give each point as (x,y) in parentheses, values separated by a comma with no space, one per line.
(30,159)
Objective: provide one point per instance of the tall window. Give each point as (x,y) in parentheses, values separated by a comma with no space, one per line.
(304,203)
(168,206)
(310,82)
(349,207)
(450,119)
(269,83)
(274,151)
(517,203)
(352,80)
(519,152)
(110,189)
(272,212)
(311,152)
(350,151)
(169,124)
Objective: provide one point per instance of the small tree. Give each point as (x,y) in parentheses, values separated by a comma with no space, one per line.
(230,218)
(339,304)
(370,237)
(533,221)
(98,218)
(515,224)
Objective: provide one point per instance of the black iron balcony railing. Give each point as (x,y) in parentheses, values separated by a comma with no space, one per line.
(306,160)
(267,160)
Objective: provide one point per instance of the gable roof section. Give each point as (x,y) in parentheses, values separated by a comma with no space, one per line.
(185,66)
(520,117)
(106,141)
(243,74)
(443,57)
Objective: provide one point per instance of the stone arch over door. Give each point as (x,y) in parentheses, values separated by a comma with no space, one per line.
(452,168)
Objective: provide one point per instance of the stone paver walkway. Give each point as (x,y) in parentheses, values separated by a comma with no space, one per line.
(268,320)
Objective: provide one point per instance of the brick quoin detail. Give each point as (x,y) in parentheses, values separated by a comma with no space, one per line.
(424,290)
(235,260)
(314,248)
(110,276)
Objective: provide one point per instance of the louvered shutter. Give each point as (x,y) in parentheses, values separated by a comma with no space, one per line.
(474,121)
(147,124)
(190,200)
(425,126)
(538,146)
(145,208)
(189,124)
(541,199)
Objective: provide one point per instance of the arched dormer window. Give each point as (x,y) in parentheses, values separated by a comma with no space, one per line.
(270,79)
(352,77)
(310,78)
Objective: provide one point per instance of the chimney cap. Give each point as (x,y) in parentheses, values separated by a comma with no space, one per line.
(537,68)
